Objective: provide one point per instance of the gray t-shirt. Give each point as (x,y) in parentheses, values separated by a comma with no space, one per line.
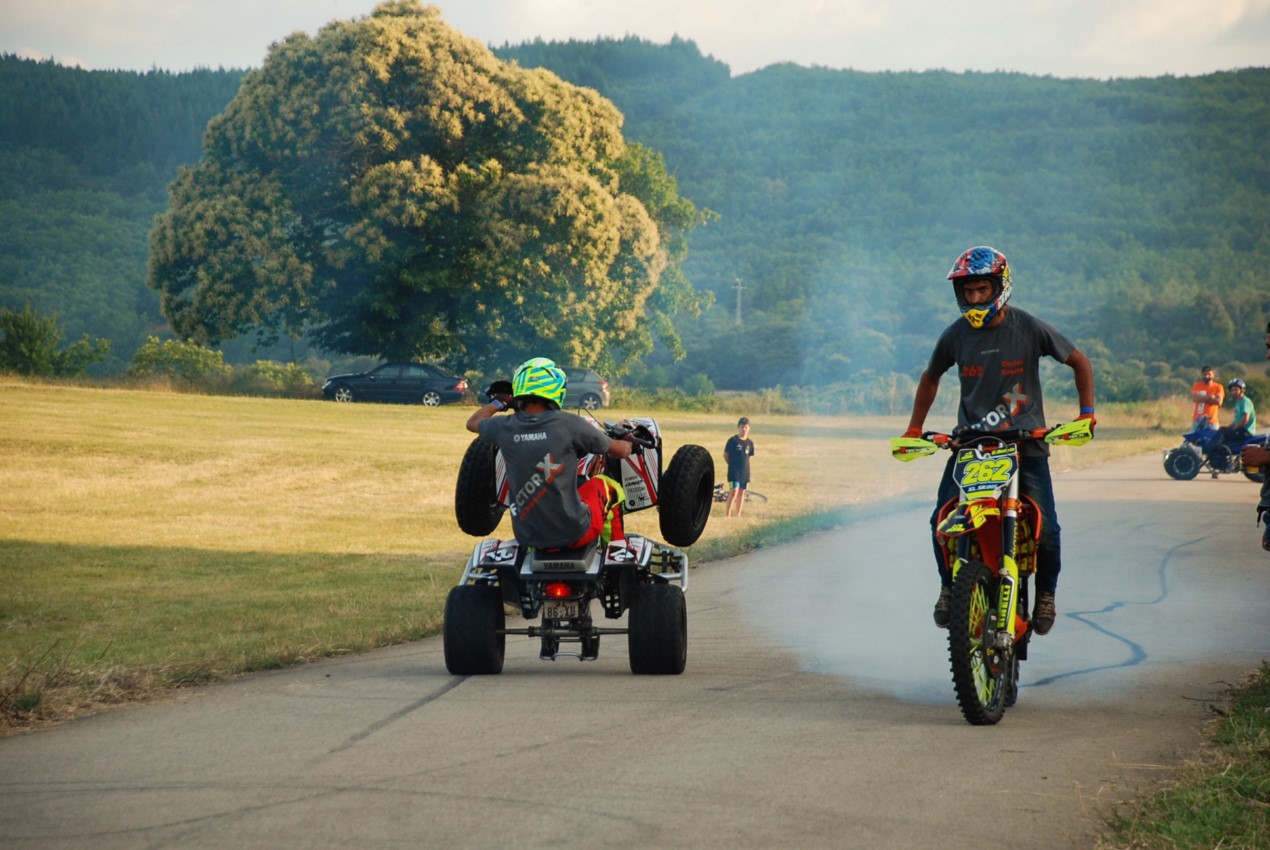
(999,369)
(541,452)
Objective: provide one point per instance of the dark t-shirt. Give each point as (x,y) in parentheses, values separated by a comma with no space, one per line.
(999,370)
(541,452)
(738,453)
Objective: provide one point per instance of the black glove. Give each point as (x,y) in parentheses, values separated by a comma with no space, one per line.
(503,399)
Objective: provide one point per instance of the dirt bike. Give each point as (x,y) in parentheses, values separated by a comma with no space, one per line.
(721,494)
(990,536)
(682,492)
(1205,449)
(633,575)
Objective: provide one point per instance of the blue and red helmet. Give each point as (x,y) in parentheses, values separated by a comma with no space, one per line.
(982,262)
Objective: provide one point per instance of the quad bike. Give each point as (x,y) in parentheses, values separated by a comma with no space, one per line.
(721,494)
(682,492)
(1205,449)
(990,536)
(633,574)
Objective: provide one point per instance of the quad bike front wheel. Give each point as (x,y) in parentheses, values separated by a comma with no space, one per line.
(980,676)
(1182,464)
(473,633)
(476,505)
(657,634)
(686,495)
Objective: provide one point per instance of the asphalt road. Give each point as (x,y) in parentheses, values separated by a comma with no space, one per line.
(816,711)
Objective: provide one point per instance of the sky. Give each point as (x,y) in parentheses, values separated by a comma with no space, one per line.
(1065,38)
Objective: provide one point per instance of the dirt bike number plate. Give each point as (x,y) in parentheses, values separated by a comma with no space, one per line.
(979,472)
(556,610)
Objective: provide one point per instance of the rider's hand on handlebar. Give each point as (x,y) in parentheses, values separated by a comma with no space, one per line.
(913,432)
(1092,420)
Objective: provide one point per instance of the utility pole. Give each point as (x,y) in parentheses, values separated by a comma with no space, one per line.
(738,286)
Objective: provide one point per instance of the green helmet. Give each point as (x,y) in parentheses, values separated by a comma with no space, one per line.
(540,377)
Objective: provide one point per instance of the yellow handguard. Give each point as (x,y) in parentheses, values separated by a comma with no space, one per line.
(910,448)
(1070,434)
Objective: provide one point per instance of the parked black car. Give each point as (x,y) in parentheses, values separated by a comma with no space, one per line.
(586,389)
(407,383)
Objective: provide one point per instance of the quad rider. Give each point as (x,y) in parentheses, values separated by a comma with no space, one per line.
(541,444)
(997,350)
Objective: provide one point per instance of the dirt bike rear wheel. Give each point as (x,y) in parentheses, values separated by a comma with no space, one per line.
(476,505)
(980,691)
(473,639)
(657,637)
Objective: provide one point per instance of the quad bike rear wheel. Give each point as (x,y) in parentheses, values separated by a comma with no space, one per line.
(980,677)
(686,495)
(1182,464)
(473,633)
(476,505)
(657,635)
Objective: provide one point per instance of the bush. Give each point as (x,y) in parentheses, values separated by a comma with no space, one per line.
(185,363)
(271,378)
(30,346)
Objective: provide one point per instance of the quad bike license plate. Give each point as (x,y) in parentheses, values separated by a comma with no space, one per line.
(556,610)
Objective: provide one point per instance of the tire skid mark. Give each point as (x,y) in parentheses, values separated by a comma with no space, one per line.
(1136,652)
(397,715)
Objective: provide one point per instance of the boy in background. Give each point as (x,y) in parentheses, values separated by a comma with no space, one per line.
(738,450)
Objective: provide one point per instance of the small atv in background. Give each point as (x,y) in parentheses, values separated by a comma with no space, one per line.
(1205,450)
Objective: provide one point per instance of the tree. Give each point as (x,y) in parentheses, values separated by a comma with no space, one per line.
(391,188)
(30,347)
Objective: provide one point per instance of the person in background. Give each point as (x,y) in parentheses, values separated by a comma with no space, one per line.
(997,351)
(1259,457)
(1208,396)
(738,450)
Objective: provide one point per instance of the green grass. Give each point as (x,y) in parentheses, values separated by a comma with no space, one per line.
(151,539)
(1220,799)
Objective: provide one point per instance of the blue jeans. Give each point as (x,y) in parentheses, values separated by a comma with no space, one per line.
(1034,481)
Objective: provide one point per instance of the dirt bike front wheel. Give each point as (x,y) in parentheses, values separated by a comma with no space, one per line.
(980,675)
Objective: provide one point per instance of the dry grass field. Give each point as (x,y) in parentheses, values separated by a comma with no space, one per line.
(151,539)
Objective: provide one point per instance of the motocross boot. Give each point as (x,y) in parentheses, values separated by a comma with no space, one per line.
(1044,614)
(943,607)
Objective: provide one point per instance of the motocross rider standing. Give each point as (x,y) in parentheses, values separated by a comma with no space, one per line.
(541,445)
(997,352)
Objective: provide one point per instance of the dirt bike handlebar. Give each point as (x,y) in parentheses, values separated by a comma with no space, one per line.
(1073,433)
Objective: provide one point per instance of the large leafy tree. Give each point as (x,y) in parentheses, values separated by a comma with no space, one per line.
(390,187)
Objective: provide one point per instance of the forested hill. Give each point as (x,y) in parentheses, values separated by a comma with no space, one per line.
(85,160)
(1136,213)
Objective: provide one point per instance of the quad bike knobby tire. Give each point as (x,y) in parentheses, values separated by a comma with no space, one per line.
(686,495)
(657,637)
(980,691)
(476,504)
(1182,464)
(473,637)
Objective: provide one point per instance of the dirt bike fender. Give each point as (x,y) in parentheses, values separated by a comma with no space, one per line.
(968,517)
